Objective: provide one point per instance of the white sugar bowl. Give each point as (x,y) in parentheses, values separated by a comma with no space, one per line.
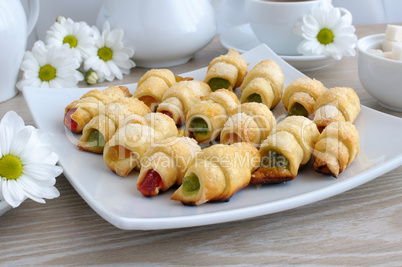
(162,33)
(381,77)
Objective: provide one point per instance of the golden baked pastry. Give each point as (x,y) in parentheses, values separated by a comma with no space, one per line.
(153,85)
(217,173)
(336,104)
(251,122)
(287,148)
(102,127)
(300,96)
(180,97)
(336,148)
(206,118)
(263,84)
(165,164)
(226,71)
(80,112)
(124,151)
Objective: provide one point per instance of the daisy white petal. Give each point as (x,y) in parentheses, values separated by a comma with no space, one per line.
(37,189)
(111,59)
(39,51)
(114,69)
(31,190)
(28,185)
(78,35)
(14,122)
(27,162)
(42,171)
(20,141)
(347,18)
(326,4)
(326,32)
(30,64)
(42,65)
(122,59)
(12,193)
(332,18)
(114,39)
(29,82)
(31,75)
(10,125)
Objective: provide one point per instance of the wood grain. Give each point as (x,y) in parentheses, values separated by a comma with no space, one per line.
(362,226)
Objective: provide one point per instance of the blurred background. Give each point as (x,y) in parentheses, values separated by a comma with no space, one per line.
(229,13)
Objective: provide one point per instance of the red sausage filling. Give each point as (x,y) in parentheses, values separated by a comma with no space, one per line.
(168,113)
(151,183)
(70,123)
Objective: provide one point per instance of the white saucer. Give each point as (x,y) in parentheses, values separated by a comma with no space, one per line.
(242,39)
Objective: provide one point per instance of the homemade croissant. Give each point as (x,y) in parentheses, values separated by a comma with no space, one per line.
(263,84)
(80,112)
(206,118)
(251,122)
(124,151)
(336,104)
(180,97)
(287,148)
(165,164)
(226,71)
(153,85)
(217,173)
(102,127)
(301,95)
(336,148)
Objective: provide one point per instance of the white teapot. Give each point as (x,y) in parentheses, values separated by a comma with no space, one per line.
(162,32)
(14,31)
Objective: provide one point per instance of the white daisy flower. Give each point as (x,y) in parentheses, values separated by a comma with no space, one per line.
(111,59)
(77,34)
(27,162)
(327,32)
(50,67)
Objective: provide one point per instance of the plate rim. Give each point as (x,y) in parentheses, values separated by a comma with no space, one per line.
(226,216)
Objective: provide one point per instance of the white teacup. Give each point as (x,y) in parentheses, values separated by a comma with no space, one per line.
(273,22)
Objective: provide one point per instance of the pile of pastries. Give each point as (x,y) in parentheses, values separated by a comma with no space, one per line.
(200,137)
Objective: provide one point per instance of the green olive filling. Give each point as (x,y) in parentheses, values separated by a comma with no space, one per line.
(199,126)
(254,98)
(96,139)
(191,184)
(274,159)
(298,110)
(218,83)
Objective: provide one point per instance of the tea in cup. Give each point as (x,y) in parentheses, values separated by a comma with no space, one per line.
(273,22)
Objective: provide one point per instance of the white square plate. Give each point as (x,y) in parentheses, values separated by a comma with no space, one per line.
(117,200)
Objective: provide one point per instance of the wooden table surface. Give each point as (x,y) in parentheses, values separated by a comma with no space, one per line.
(362,226)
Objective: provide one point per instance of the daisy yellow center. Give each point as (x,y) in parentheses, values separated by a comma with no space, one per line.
(10,167)
(47,73)
(325,36)
(71,40)
(105,53)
